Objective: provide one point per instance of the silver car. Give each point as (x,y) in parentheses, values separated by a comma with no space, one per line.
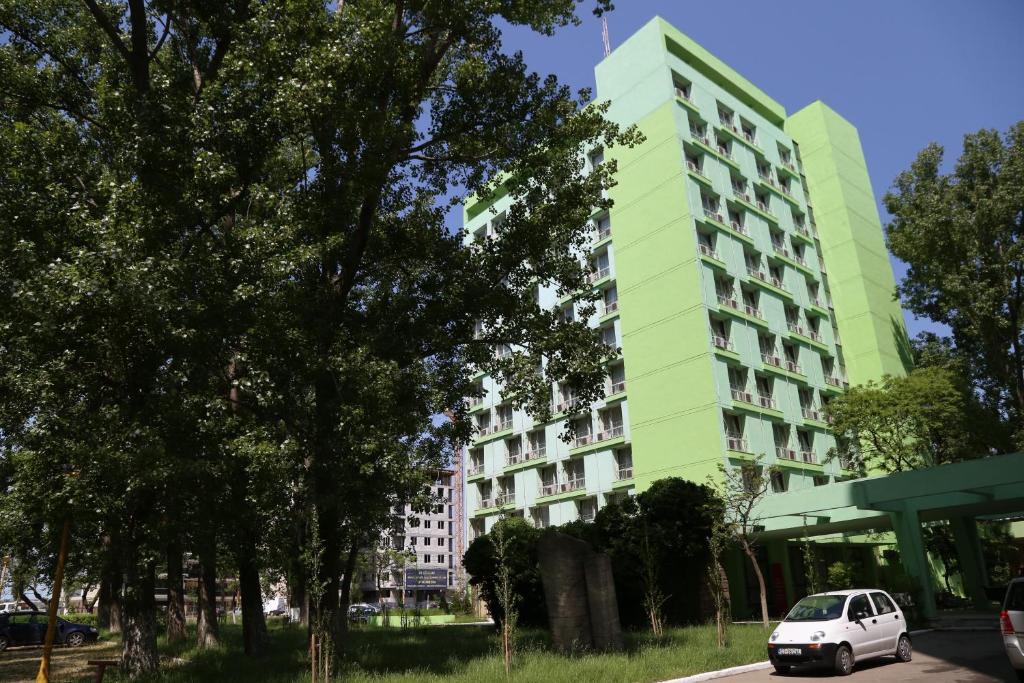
(1011,623)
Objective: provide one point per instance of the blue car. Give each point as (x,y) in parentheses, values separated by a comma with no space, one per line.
(29,628)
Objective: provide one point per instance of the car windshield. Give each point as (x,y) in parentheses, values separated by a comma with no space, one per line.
(818,608)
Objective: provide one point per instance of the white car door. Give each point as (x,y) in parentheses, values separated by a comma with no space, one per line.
(887,617)
(857,627)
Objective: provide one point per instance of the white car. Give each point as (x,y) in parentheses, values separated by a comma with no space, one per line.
(838,629)
(1011,623)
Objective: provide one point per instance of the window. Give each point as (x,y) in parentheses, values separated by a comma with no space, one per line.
(574,478)
(596,158)
(883,605)
(778,482)
(541,517)
(734,432)
(624,464)
(725,116)
(736,221)
(820,480)
(603,224)
(584,431)
(720,334)
(426,559)
(426,524)
(749,132)
(504,415)
(695,162)
(536,442)
(588,509)
(706,244)
(611,423)
(611,300)
(412,540)
(681,86)
(617,379)
(764,391)
(859,608)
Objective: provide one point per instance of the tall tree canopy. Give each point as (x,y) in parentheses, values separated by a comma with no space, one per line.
(227,293)
(962,235)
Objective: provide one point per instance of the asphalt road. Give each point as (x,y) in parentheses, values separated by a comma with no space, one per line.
(948,656)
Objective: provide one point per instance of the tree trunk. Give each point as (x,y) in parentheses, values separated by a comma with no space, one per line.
(760,583)
(176,627)
(138,642)
(341,620)
(109,613)
(207,630)
(254,626)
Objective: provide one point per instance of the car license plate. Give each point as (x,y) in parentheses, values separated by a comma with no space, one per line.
(789,651)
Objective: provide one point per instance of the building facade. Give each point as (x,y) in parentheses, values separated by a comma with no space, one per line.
(418,560)
(743,275)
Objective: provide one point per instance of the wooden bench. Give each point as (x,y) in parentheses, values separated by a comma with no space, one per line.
(101,666)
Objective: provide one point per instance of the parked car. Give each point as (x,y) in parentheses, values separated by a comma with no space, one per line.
(360,613)
(1011,623)
(838,629)
(29,628)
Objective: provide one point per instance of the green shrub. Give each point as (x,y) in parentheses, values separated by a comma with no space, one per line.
(80,618)
(840,576)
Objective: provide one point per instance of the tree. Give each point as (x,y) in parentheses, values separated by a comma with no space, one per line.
(741,490)
(482,564)
(901,423)
(962,236)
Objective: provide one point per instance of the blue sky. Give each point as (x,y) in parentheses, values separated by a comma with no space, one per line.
(905,72)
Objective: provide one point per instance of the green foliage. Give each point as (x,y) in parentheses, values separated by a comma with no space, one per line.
(481,563)
(80,618)
(962,237)
(840,576)
(901,423)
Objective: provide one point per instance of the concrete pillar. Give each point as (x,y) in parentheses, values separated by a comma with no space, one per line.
(565,589)
(604,606)
(972,562)
(907,526)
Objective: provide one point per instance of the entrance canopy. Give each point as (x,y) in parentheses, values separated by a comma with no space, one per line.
(958,492)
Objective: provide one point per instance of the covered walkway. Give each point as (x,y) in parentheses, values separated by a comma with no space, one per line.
(959,493)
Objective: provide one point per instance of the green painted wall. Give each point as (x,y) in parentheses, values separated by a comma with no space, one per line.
(859,273)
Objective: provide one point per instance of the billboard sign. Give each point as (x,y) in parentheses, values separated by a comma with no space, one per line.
(426,578)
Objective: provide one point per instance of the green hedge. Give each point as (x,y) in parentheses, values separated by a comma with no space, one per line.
(80,618)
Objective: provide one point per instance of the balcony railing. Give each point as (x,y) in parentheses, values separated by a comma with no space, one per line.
(705,250)
(694,167)
(536,453)
(757,274)
(525,456)
(721,342)
(574,484)
(503,425)
(739,227)
(736,443)
(793,366)
(699,136)
(724,152)
(766,401)
(624,473)
(834,381)
(803,231)
(682,94)
(728,301)
(767,179)
(484,430)
(749,137)
(742,395)
(796,329)
(617,388)
(611,307)
(763,206)
(808,456)
(475,401)
(799,259)
(811,414)
(599,274)
(604,232)
(739,194)
(771,359)
(548,489)
(790,165)
(752,310)
(613,432)
(583,440)
(487,503)
(781,250)
(815,301)
(713,214)
(474,470)
(785,453)
(506,498)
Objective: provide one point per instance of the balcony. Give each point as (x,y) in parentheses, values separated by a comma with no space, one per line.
(617,388)
(485,430)
(811,414)
(613,432)
(548,489)
(809,457)
(487,503)
(767,179)
(742,395)
(739,227)
(624,473)
(603,233)
(752,310)
(766,401)
(583,440)
(789,166)
(611,307)
(475,401)
(599,274)
(781,250)
(750,137)
(785,453)
(723,152)
(734,442)
(526,456)
(562,406)
(771,359)
(506,498)
(721,342)
(795,328)
(683,95)
(705,250)
(728,302)
(502,426)
(700,137)
(763,207)
(713,215)
(695,168)
(576,484)
(475,469)
(803,231)
(834,381)
(794,367)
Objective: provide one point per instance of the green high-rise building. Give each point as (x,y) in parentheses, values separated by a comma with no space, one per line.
(743,273)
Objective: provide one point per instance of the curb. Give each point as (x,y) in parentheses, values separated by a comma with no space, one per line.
(722,673)
(745,668)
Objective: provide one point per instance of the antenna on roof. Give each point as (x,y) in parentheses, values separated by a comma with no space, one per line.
(604,35)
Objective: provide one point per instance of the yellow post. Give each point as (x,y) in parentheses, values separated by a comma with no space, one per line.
(51,626)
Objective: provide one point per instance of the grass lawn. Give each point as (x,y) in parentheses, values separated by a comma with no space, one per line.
(457,654)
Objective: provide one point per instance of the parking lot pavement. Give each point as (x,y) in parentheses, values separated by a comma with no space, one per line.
(954,656)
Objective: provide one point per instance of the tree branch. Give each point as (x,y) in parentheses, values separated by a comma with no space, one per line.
(108,27)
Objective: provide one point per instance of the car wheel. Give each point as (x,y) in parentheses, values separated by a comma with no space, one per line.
(844,661)
(904,651)
(3,643)
(782,670)
(74,639)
